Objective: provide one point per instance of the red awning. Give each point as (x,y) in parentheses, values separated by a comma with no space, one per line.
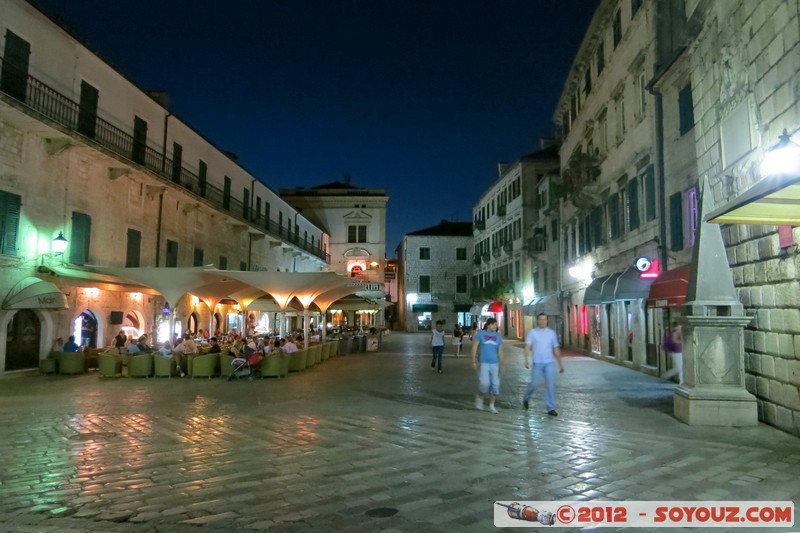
(669,289)
(496,307)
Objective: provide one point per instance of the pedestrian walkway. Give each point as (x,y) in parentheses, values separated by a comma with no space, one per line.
(363,442)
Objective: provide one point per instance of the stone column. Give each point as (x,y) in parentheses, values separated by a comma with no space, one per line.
(713,393)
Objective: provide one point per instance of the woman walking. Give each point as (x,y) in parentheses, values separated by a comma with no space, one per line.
(437,345)
(458,335)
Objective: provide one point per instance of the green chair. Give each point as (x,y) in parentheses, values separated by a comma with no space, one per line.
(326,350)
(297,360)
(140,366)
(310,359)
(334,348)
(109,365)
(163,366)
(274,365)
(204,366)
(71,363)
(225,366)
(49,365)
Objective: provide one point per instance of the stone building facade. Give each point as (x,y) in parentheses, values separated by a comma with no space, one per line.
(610,212)
(510,241)
(435,276)
(744,66)
(86,154)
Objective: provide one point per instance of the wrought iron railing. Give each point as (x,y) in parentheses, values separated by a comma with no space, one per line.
(40,99)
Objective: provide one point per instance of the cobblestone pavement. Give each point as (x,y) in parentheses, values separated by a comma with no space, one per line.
(358,435)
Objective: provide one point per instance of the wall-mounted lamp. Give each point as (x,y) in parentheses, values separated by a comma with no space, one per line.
(783,159)
(60,244)
(136,296)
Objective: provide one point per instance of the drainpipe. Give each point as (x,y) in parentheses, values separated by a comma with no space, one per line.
(158,229)
(249,250)
(662,195)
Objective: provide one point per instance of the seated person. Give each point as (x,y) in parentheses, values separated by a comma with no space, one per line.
(250,347)
(133,348)
(186,347)
(142,344)
(215,347)
(289,345)
(70,345)
(166,350)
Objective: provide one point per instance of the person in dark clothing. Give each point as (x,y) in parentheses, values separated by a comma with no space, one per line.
(215,347)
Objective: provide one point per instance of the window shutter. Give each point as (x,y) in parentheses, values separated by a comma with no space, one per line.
(80,238)
(650,194)
(134,248)
(676,222)
(633,204)
(9,222)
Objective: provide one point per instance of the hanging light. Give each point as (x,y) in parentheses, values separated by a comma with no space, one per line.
(783,159)
(60,244)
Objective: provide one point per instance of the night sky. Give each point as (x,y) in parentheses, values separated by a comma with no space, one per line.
(420,98)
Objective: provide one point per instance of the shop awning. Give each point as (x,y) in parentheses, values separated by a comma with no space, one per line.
(592,294)
(774,200)
(630,286)
(496,307)
(34,293)
(609,288)
(548,305)
(669,290)
(476,309)
(424,308)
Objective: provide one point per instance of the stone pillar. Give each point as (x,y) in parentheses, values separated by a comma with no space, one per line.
(713,393)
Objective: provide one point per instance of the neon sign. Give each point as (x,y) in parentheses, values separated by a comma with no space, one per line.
(648,268)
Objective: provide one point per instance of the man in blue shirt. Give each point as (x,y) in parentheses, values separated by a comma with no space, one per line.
(542,344)
(490,344)
(70,345)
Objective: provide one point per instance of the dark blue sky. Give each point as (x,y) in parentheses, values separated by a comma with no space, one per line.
(420,98)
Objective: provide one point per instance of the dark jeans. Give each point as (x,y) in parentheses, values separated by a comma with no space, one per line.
(437,356)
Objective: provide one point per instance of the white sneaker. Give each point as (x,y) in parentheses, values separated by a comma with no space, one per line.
(478,403)
(493,409)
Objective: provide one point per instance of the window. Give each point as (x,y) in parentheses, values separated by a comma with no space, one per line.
(139,140)
(587,81)
(461,254)
(633,204)
(226,194)
(617,29)
(9,221)
(649,194)
(202,176)
(602,132)
(619,104)
(635,5)
(676,221)
(223,263)
(172,254)
(258,209)
(246,203)
(612,210)
(133,253)
(177,161)
(686,109)
(641,100)
(554,230)
(565,123)
(358,234)
(689,216)
(600,58)
(461,284)
(14,75)
(80,238)
(87,110)
(243,266)
(424,284)
(198,257)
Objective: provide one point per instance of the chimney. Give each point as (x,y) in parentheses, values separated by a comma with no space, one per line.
(161,97)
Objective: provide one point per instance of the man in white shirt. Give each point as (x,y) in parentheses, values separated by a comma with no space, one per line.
(188,346)
(289,346)
(542,344)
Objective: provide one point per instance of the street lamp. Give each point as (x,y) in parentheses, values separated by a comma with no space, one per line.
(60,244)
(783,159)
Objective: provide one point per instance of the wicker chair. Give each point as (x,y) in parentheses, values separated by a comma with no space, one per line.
(71,363)
(109,365)
(225,366)
(163,366)
(204,366)
(140,366)
(297,360)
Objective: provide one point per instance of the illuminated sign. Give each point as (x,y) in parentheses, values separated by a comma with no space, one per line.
(648,268)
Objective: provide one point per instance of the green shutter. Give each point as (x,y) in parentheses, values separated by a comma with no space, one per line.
(246,203)
(226,194)
(134,248)
(80,238)
(9,222)
(650,194)
(139,140)
(14,75)
(177,161)
(172,254)
(87,110)
(676,222)
(198,257)
(202,177)
(633,204)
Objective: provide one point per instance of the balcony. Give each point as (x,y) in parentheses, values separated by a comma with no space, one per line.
(479,225)
(497,251)
(40,100)
(486,257)
(508,247)
(501,210)
(476,260)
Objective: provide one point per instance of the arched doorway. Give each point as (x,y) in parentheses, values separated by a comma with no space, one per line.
(217,322)
(191,324)
(85,329)
(22,341)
